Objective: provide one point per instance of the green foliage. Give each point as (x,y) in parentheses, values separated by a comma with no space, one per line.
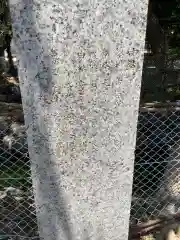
(168,13)
(17,175)
(5,23)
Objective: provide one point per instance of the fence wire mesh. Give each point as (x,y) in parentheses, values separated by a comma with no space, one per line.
(17,210)
(156,183)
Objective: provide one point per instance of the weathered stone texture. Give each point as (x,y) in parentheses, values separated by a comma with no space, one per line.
(80,71)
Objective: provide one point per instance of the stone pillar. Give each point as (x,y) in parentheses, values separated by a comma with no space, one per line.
(80,72)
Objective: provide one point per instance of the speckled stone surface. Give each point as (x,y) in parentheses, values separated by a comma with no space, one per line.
(80,71)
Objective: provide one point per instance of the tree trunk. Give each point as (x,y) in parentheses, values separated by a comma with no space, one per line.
(2,61)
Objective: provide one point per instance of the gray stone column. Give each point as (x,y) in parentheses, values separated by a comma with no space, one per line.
(80,72)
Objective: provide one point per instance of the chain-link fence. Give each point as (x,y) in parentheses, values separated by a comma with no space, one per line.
(156,184)
(17,210)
